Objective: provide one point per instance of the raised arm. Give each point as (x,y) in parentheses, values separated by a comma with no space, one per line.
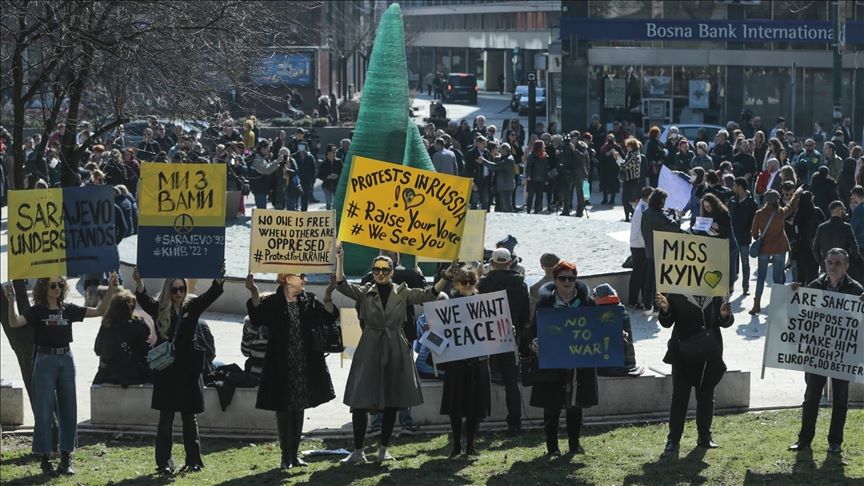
(14,319)
(103,305)
(199,304)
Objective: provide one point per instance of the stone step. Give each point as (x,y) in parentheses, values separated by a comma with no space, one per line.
(11,403)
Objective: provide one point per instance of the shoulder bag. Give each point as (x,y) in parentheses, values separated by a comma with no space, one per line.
(327,337)
(162,356)
(756,246)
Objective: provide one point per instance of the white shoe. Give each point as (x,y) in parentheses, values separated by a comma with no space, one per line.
(384,455)
(356,457)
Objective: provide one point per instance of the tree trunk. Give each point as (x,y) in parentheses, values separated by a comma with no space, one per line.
(20,338)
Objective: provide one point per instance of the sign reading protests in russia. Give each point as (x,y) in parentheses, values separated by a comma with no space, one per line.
(181,222)
(478,325)
(399,208)
(690,264)
(816,331)
(292,241)
(717,30)
(473,238)
(68,231)
(580,337)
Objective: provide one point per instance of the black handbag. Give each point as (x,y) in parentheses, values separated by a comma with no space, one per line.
(700,348)
(529,369)
(327,337)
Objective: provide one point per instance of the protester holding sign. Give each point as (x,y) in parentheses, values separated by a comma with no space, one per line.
(721,227)
(382,375)
(695,352)
(837,280)
(555,389)
(53,365)
(179,387)
(655,219)
(295,376)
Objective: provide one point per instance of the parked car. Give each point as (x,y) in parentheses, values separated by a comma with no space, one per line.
(691,132)
(461,87)
(519,101)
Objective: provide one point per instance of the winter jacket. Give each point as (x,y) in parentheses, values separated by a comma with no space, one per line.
(654,219)
(775,240)
(834,233)
(742,211)
(517,295)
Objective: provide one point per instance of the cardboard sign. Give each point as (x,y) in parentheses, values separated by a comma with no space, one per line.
(68,231)
(478,325)
(473,238)
(399,208)
(691,265)
(679,189)
(703,224)
(292,241)
(816,331)
(181,225)
(349,323)
(580,337)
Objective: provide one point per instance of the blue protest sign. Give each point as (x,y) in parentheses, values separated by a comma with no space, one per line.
(88,220)
(580,337)
(164,252)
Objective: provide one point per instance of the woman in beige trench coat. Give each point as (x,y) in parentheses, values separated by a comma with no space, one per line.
(382,375)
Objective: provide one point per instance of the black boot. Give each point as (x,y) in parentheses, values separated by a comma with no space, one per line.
(457,447)
(65,466)
(706,442)
(282,426)
(45,464)
(296,436)
(550,426)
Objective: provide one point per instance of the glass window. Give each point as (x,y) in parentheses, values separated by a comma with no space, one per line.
(791,11)
(475,63)
(458,63)
(635,9)
(768,93)
(698,94)
(693,9)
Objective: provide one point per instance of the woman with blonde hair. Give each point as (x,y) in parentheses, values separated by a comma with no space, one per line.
(53,364)
(179,387)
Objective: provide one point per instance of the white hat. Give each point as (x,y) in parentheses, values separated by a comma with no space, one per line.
(501,255)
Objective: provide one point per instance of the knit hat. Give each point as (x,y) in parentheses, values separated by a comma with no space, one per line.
(604,294)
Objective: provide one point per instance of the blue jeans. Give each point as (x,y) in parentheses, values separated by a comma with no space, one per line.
(260,200)
(778,271)
(54,387)
(742,266)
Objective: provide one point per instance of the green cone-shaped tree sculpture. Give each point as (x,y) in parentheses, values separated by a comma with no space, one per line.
(384,130)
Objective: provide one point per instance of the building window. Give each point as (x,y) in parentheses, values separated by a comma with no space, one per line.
(475,63)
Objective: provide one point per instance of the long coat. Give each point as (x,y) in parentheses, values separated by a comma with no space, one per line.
(382,372)
(275,391)
(180,387)
(687,319)
(562,394)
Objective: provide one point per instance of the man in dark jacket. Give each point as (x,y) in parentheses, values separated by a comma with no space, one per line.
(307,168)
(654,219)
(501,277)
(742,209)
(835,233)
(480,173)
(835,279)
(573,166)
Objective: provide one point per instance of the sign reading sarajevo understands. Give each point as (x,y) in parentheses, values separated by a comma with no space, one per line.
(181,223)
(580,337)
(816,331)
(691,265)
(67,231)
(473,326)
(399,208)
(291,241)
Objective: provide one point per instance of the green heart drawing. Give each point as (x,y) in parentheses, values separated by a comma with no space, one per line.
(713,278)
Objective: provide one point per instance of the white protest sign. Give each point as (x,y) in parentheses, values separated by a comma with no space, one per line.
(816,331)
(679,189)
(478,325)
(703,224)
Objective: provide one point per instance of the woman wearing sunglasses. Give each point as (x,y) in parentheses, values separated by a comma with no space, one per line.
(180,386)
(53,364)
(382,375)
(466,391)
(572,389)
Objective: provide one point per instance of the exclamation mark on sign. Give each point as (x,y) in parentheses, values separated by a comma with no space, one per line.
(398,193)
(606,344)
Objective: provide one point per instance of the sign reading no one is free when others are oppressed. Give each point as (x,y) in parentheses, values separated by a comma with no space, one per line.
(291,241)
(399,208)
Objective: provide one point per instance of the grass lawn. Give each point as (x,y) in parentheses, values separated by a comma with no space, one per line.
(752,452)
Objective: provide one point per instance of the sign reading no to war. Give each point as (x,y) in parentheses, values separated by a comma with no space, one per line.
(67,231)
(580,337)
(816,331)
(291,241)
(478,325)
(689,264)
(399,208)
(181,223)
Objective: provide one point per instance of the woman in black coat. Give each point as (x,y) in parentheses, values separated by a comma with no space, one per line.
(805,221)
(467,391)
(122,344)
(180,386)
(691,315)
(556,390)
(295,375)
(824,189)
(721,227)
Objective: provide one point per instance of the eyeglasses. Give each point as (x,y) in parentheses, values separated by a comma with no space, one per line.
(381,270)
(178,290)
(566,278)
(56,285)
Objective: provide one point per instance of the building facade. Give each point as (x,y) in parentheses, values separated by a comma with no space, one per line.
(708,62)
(481,37)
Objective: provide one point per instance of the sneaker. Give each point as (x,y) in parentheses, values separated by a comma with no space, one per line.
(409,430)
(384,455)
(356,457)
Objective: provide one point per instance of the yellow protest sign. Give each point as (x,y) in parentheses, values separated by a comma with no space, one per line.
(689,264)
(292,241)
(36,234)
(473,238)
(399,208)
(193,192)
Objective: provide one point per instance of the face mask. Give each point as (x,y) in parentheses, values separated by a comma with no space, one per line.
(301,147)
